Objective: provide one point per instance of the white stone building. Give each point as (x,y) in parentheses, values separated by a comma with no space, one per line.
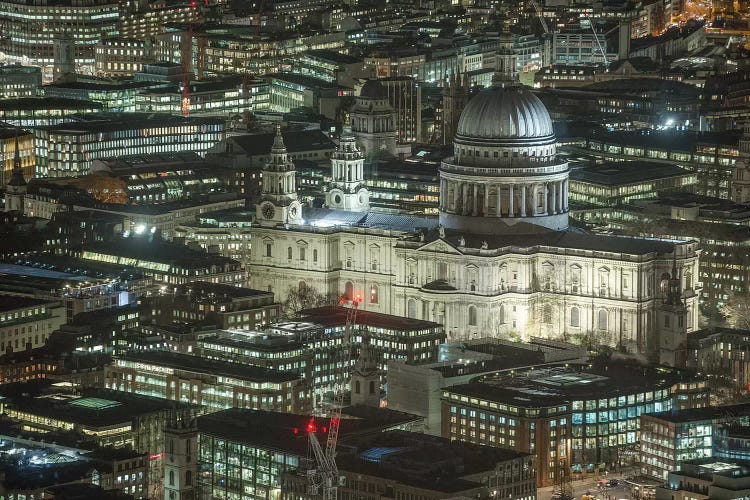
(501,260)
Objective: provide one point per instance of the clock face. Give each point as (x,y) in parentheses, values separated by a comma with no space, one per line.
(268,210)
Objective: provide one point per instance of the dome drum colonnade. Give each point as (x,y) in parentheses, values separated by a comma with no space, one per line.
(504,169)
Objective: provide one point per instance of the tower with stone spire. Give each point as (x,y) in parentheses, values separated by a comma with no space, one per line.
(181,456)
(365,385)
(278,203)
(15,191)
(739,190)
(672,322)
(347,190)
(455,96)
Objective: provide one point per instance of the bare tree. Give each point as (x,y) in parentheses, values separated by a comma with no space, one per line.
(737,310)
(305,297)
(105,189)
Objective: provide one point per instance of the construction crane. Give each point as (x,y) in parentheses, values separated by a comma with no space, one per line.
(324,479)
(187,54)
(546,36)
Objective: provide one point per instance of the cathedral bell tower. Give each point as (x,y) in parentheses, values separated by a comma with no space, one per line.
(347,190)
(279,204)
(672,323)
(365,388)
(15,191)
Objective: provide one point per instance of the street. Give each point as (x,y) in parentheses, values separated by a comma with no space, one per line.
(589,486)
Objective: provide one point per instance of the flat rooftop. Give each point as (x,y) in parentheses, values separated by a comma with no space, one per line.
(566,382)
(220,292)
(624,173)
(11,302)
(336,315)
(708,413)
(94,407)
(197,364)
(423,461)
(285,432)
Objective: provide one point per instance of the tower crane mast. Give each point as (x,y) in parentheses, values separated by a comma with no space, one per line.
(324,478)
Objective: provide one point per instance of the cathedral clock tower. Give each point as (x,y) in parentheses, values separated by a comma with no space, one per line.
(279,202)
(347,190)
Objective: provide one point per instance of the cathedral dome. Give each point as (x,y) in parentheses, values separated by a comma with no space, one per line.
(373,89)
(505,115)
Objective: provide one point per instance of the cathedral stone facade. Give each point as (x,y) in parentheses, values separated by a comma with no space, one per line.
(502,260)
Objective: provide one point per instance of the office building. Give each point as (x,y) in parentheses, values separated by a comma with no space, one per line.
(669,438)
(416,388)
(27,323)
(403,464)
(618,183)
(246,452)
(722,351)
(68,149)
(86,22)
(584,416)
(165,262)
(33,112)
(222,306)
(707,478)
(211,384)
(233,95)
(19,81)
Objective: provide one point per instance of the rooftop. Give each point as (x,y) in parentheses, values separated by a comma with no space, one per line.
(623,173)
(337,315)
(285,432)
(294,140)
(11,302)
(108,122)
(566,382)
(197,364)
(722,413)
(94,408)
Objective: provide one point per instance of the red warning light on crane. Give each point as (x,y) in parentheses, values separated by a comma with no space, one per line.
(311,427)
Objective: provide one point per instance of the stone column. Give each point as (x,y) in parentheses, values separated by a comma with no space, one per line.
(485,199)
(554,197)
(456,195)
(565,196)
(464,198)
(499,192)
(511,208)
(475,201)
(545,205)
(560,197)
(523,200)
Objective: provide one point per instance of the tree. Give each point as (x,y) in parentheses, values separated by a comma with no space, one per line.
(305,297)
(737,310)
(105,189)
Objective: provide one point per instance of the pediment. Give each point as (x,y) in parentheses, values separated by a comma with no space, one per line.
(439,246)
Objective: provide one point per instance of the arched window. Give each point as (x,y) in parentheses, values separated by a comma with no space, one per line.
(501,315)
(357,387)
(372,387)
(170,447)
(171,478)
(472,316)
(302,253)
(473,286)
(289,253)
(547,313)
(349,290)
(411,308)
(188,478)
(373,294)
(315,255)
(301,285)
(575,317)
(688,280)
(602,319)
